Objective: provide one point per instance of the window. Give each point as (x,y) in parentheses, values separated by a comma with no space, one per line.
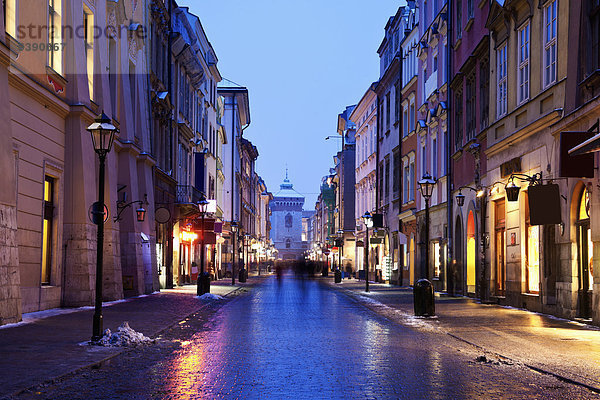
(55,35)
(411,186)
(387,111)
(47,240)
(458,19)
(434,158)
(470,9)
(288,220)
(502,81)
(387,179)
(470,92)
(406,195)
(423,159)
(435,63)
(405,120)
(10,17)
(444,142)
(381,182)
(458,120)
(437,264)
(550,43)
(484,95)
(397,92)
(396,173)
(288,243)
(523,72)
(88,26)
(412,114)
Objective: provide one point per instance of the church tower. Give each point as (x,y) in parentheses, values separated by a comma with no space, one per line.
(286,221)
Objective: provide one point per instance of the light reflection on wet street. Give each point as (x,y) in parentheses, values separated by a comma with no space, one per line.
(300,339)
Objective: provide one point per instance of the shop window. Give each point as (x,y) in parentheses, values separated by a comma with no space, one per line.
(532,248)
(47,239)
(437,264)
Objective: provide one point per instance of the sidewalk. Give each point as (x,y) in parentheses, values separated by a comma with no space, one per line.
(563,348)
(46,346)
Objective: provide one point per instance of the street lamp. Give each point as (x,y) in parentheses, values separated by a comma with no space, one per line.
(234,228)
(426,185)
(368,218)
(202,283)
(340,247)
(103,135)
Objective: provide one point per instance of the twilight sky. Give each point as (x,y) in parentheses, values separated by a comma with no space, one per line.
(303,62)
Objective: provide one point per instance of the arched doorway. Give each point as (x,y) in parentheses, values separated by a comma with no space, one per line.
(457,265)
(471,253)
(585,251)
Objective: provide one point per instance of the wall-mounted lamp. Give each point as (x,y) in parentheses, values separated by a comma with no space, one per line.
(512,189)
(140,211)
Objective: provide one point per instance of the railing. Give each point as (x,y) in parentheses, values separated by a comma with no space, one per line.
(187,194)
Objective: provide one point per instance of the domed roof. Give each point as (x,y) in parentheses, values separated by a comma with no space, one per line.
(287,190)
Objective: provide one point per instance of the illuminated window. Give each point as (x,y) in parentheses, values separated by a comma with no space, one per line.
(10,17)
(437,264)
(47,244)
(55,49)
(532,248)
(88,22)
(471,252)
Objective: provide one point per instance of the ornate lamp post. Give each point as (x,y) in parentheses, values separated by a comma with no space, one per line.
(368,218)
(103,135)
(234,227)
(426,185)
(202,283)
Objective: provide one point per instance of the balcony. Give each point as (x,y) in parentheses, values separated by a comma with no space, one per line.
(187,194)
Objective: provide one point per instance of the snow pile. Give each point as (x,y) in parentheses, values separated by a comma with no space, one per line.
(123,337)
(210,296)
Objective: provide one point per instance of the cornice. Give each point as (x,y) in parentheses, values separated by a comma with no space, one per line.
(39,93)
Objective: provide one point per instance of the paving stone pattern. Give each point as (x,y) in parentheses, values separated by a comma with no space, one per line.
(302,340)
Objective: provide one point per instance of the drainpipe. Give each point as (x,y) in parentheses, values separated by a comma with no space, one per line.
(449,233)
(169,277)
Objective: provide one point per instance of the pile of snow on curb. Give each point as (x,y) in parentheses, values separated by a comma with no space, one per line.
(210,296)
(123,337)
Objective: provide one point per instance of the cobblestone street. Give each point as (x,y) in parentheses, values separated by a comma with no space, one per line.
(298,338)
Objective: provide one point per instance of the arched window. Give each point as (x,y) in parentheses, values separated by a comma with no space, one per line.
(288,220)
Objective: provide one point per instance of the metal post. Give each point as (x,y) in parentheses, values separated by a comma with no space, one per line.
(427,238)
(340,247)
(199,288)
(97,324)
(367,260)
(233,238)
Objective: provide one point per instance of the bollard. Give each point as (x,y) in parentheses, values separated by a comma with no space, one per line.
(423,297)
(205,282)
(338,276)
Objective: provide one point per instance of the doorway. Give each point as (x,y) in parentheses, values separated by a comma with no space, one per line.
(585,252)
(500,265)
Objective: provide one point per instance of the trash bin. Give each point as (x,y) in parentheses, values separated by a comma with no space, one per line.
(243,275)
(338,276)
(204,283)
(424,298)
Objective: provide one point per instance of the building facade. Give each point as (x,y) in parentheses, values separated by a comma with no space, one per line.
(286,222)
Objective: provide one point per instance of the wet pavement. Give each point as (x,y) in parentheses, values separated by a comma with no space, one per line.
(300,339)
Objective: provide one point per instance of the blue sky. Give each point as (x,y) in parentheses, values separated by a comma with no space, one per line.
(303,62)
